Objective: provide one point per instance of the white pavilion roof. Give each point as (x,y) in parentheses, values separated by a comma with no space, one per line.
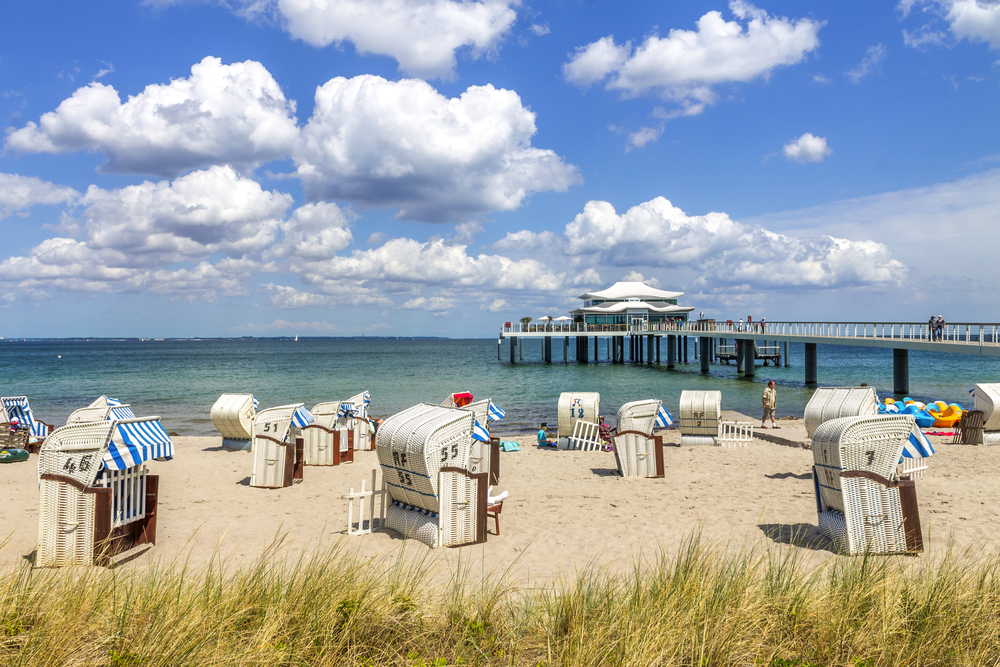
(622,306)
(631,290)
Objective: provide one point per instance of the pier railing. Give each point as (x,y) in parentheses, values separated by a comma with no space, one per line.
(959,333)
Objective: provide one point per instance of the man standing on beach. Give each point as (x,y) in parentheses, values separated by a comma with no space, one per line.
(770,399)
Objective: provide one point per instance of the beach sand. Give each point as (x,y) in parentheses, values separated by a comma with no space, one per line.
(566,509)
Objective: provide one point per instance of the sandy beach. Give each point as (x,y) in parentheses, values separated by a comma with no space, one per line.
(566,509)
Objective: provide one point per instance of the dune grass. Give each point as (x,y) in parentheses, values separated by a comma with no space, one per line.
(704,605)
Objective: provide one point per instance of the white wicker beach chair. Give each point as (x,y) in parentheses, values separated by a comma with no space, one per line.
(484,456)
(574,406)
(700,417)
(278,457)
(986,398)
(232,415)
(97,498)
(330,439)
(863,504)
(637,452)
(833,402)
(425,453)
(34,431)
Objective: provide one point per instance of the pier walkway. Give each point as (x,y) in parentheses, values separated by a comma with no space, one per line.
(639,342)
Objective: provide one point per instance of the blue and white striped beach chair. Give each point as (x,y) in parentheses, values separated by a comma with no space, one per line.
(17,408)
(97,496)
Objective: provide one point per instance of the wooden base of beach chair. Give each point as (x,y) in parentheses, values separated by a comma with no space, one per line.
(110,542)
(495,462)
(639,454)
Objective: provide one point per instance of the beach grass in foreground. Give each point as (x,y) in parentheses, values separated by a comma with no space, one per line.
(704,605)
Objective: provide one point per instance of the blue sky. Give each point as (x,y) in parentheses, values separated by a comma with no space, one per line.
(437,167)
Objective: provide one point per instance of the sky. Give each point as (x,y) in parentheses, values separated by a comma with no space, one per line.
(179,168)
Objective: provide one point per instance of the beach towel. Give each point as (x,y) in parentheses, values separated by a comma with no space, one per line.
(510,446)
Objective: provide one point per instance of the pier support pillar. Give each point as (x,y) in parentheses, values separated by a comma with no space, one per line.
(513,349)
(565,349)
(597,340)
(649,348)
(739,356)
(703,343)
(785,355)
(671,351)
(547,349)
(584,349)
(749,354)
(810,362)
(685,349)
(900,371)
(658,348)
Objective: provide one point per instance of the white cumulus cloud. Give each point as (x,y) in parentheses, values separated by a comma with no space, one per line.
(403,144)
(422,35)
(686,64)
(220,114)
(807,148)
(974,20)
(19,193)
(658,234)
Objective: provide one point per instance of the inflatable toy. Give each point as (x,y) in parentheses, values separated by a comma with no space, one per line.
(945,416)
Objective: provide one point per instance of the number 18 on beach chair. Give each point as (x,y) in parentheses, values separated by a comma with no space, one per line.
(97,498)
(278,456)
(864,505)
(637,452)
(424,453)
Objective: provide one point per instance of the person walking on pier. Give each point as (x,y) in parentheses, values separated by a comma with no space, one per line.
(770,400)
(932,329)
(940,328)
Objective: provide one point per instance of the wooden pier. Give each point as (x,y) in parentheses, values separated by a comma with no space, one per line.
(642,343)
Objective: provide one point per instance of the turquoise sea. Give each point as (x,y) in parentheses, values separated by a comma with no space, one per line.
(181,379)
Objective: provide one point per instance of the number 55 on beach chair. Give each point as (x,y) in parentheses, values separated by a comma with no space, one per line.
(278,456)
(97,498)
(864,504)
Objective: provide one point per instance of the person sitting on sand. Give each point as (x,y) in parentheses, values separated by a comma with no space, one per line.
(543,440)
(605,432)
(770,400)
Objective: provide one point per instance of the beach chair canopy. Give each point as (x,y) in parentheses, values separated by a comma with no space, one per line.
(986,397)
(277,422)
(832,402)
(16,407)
(100,413)
(232,415)
(81,451)
(413,446)
(638,416)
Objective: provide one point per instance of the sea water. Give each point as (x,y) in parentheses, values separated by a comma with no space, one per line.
(179,380)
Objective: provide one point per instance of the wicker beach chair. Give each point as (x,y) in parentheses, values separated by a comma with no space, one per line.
(862,501)
(330,439)
(31,432)
(833,402)
(97,498)
(637,452)
(700,417)
(574,406)
(424,453)
(986,398)
(232,416)
(278,447)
